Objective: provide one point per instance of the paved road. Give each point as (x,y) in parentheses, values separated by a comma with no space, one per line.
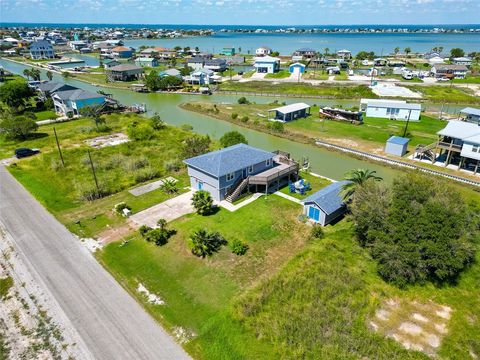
(110,322)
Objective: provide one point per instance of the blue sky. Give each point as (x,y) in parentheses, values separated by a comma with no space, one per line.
(248,12)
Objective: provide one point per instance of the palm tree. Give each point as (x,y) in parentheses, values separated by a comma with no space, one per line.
(407,51)
(94,112)
(27,73)
(202,201)
(357,178)
(49,75)
(396,50)
(206,243)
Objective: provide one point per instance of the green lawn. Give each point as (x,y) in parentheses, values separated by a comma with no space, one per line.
(315,75)
(289,297)
(447,94)
(117,168)
(316,183)
(101,79)
(468,80)
(342,76)
(199,292)
(329,91)
(282,74)
(46,115)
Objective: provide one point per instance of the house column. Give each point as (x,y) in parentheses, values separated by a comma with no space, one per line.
(447,160)
(476,168)
(461,162)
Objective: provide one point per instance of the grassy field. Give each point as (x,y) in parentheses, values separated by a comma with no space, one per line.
(45,115)
(468,80)
(328,91)
(289,297)
(118,168)
(369,136)
(447,94)
(101,79)
(316,183)
(315,75)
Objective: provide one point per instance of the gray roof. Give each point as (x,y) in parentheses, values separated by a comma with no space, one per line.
(470,111)
(170,72)
(230,159)
(77,94)
(450,67)
(195,60)
(462,130)
(398,140)
(126,67)
(52,86)
(393,104)
(329,198)
(41,44)
(213,62)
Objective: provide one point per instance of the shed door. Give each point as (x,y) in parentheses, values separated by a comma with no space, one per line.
(314,213)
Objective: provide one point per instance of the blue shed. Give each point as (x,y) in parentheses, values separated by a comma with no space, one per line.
(296,68)
(396,145)
(325,205)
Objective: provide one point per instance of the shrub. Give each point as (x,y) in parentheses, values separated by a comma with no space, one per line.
(232,138)
(186,127)
(417,229)
(19,127)
(140,131)
(91,193)
(144,229)
(244,119)
(238,247)
(121,206)
(133,164)
(156,122)
(196,145)
(173,165)
(243,101)
(276,126)
(114,161)
(56,165)
(159,236)
(145,174)
(234,116)
(317,232)
(169,186)
(204,243)
(202,202)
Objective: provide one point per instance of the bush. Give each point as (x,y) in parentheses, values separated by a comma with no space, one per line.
(145,174)
(244,119)
(204,243)
(196,145)
(418,229)
(133,164)
(234,116)
(173,166)
(238,247)
(91,193)
(232,138)
(159,236)
(122,206)
(202,202)
(243,101)
(276,126)
(156,122)
(317,232)
(186,127)
(140,131)
(169,186)
(144,229)
(20,127)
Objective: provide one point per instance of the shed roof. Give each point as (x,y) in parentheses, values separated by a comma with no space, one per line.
(230,159)
(266,59)
(329,198)
(470,111)
(394,104)
(398,140)
(291,108)
(125,67)
(297,64)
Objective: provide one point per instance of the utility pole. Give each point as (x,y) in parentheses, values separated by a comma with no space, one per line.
(58,146)
(406,125)
(93,171)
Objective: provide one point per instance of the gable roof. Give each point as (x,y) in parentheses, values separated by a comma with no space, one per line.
(227,160)
(125,67)
(328,199)
(462,130)
(121,48)
(383,103)
(268,59)
(52,86)
(41,44)
(398,140)
(170,72)
(297,64)
(450,67)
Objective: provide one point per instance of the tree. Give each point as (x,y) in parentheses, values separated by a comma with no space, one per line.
(205,243)
(49,75)
(407,51)
(457,52)
(26,72)
(396,50)
(243,101)
(152,80)
(196,145)
(156,122)
(15,93)
(326,51)
(357,178)
(232,138)
(364,55)
(186,70)
(35,74)
(19,127)
(418,229)
(202,202)
(94,112)
(160,235)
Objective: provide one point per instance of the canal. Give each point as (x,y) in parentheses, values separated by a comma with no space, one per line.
(327,163)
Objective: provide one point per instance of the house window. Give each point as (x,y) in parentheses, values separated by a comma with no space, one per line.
(230,176)
(475,148)
(250,169)
(268,162)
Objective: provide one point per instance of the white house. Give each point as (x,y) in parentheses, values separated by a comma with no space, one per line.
(471,115)
(267,64)
(263,51)
(344,54)
(436,60)
(449,71)
(391,109)
(462,61)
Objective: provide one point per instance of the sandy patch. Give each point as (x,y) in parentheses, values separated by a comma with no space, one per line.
(410,328)
(107,140)
(151,298)
(420,317)
(182,335)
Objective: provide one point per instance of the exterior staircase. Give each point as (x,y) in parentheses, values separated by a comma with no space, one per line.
(237,191)
(426,151)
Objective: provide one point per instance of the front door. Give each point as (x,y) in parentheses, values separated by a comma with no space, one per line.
(314,213)
(199,185)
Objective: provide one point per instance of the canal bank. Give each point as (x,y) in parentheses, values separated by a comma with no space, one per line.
(327,163)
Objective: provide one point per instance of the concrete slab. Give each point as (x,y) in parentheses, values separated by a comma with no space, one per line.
(384,89)
(169,210)
(150,187)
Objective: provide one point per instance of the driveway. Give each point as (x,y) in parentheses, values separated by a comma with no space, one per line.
(168,210)
(110,323)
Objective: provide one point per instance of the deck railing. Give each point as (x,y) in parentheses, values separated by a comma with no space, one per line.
(265,180)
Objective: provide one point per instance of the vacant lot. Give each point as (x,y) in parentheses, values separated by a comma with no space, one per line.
(447,94)
(65,190)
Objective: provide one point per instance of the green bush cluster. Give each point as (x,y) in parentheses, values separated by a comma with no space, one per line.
(238,247)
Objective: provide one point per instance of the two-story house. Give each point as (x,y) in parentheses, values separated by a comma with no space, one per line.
(449,71)
(71,101)
(41,49)
(227,172)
